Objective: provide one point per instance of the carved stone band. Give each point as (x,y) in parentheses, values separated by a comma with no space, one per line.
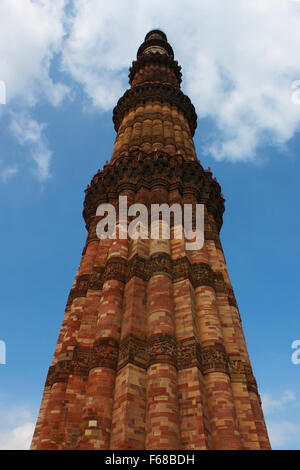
(199,274)
(157,349)
(139,169)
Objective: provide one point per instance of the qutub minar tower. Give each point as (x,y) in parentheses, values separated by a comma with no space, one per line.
(151,352)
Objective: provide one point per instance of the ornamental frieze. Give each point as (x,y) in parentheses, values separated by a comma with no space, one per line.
(242,372)
(136,267)
(203,275)
(188,354)
(80,289)
(251,381)
(236,366)
(133,350)
(182,269)
(231,298)
(158,348)
(238,370)
(159,263)
(82,284)
(214,359)
(199,274)
(59,373)
(93,281)
(139,169)
(96,279)
(162,348)
(115,269)
(104,353)
(220,285)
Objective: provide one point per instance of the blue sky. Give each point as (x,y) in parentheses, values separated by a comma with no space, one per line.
(64,69)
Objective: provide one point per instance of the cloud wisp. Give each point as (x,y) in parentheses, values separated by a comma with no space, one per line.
(240,61)
(271,405)
(17,427)
(281,414)
(30,133)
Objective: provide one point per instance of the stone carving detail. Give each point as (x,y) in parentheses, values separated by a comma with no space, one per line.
(96,279)
(82,284)
(104,353)
(58,373)
(220,285)
(214,359)
(159,263)
(231,298)
(203,275)
(133,350)
(80,288)
(240,371)
(251,381)
(78,364)
(182,269)
(80,361)
(159,348)
(136,267)
(199,274)
(236,366)
(115,270)
(188,354)
(139,169)
(93,281)
(162,348)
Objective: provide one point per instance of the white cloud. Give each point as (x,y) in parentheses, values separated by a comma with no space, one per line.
(31,33)
(281,415)
(239,61)
(270,404)
(8,172)
(16,428)
(30,133)
(284,432)
(18,438)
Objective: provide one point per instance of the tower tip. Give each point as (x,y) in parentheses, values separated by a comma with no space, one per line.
(156,34)
(155,41)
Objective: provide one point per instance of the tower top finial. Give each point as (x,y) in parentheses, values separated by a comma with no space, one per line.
(155,41)
(156,34)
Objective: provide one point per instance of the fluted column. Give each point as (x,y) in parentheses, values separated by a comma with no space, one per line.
(97,412)
(162,421)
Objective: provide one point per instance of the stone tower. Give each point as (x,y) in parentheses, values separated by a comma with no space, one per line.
(151,352)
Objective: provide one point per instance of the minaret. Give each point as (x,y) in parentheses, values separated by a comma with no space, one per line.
(151,352)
